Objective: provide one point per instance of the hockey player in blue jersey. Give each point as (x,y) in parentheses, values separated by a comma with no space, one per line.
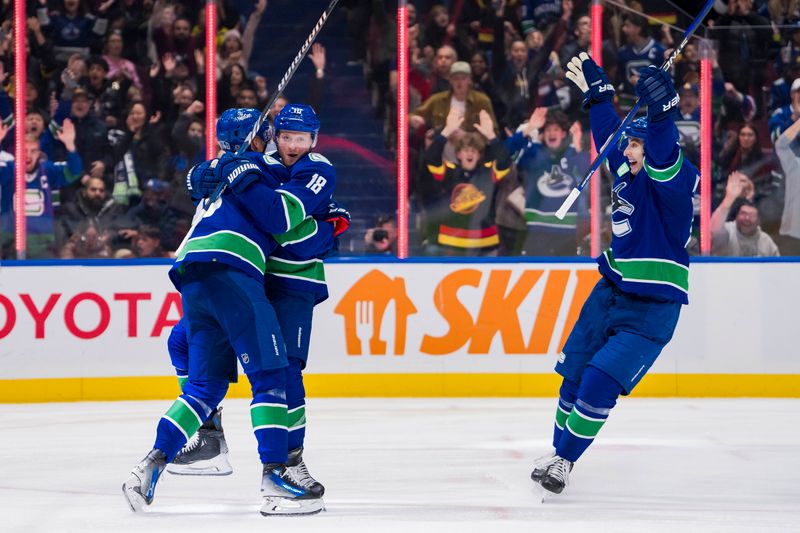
(290,290)
(633,309)
(220,271)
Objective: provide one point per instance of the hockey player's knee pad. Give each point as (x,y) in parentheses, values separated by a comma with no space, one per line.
(178,346)
(270,382)
(210,392)
(598,389)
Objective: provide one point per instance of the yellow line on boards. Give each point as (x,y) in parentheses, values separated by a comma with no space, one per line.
(402,385)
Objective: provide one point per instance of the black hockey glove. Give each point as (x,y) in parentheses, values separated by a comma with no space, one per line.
(655,87)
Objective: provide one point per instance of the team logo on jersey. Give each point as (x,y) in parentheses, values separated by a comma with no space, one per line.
(466,198)
(555,184)
(623,206)
(34,203)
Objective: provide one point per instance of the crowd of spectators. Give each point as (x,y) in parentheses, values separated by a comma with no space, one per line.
(116,117)
(503,61)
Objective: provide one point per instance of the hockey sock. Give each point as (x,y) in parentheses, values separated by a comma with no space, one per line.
(296,403)
(566,399)
(268,414)
(185,416)
(597,395)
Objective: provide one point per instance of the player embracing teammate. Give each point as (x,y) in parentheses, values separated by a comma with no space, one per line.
(263,228)
(633,309)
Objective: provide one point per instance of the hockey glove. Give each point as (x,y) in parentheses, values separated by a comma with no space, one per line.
(655,87)
(238,172)
(338,216)
(202,180)
(590,79)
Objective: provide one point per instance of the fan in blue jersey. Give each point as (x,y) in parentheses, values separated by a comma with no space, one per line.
(220,270)
(549,166)
(43,179)
(633,309)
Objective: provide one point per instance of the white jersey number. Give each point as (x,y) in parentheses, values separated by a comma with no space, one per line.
(317,183)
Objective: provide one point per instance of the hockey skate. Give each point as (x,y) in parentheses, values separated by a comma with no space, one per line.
(285,496)
(206,453)
(297,467)
(140,488)
(553,474)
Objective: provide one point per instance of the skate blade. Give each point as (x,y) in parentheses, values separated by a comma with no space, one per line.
(219,466)
(135,500)
(279,506)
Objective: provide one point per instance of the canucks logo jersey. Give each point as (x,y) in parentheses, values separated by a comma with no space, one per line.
(651,212)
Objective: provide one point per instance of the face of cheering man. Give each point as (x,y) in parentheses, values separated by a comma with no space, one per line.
(635,154)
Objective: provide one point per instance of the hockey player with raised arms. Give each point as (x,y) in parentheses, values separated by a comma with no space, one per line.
(220,271)
(289,290)
(633,309)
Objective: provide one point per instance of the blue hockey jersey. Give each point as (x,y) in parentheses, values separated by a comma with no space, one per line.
(48,177)
(548,177)
(652,212)
(277,211)
(297,264)
(631,60)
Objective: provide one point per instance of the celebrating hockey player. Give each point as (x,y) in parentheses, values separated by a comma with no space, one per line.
(633,309)
(220,272)
(289,290)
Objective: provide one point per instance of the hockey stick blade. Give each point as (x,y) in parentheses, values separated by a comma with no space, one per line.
(612,139)
(287,77)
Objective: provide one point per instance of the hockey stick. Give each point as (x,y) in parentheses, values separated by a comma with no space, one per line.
(287,77)
(612,139)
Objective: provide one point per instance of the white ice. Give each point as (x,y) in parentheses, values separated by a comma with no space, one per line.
(420,465)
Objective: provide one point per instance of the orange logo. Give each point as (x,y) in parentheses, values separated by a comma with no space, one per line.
(466,198)
(501,306)
(363,308)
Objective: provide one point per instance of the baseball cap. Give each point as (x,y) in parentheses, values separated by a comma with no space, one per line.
(690,87)
(796,85)
(461,67)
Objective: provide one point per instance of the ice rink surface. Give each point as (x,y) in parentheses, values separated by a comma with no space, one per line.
(420,465)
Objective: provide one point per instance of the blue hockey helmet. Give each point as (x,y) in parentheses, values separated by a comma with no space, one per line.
(298,117)
(637,128)
(234,125)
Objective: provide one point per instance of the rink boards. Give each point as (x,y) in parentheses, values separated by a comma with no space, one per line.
(97,331)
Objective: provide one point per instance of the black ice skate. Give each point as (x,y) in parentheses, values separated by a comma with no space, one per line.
(140,488)
(206,453)
(553,475)
(299,471)
(284,495)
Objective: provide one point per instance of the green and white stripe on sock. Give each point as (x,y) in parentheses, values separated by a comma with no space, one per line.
(561,417)
(268,416)
(296,418)
(582,425)
(184,417)
(182,381)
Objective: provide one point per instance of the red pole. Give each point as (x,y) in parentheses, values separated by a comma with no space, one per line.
(211,79)
(20,79)
(402,130)
(705,148)
(594,193)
